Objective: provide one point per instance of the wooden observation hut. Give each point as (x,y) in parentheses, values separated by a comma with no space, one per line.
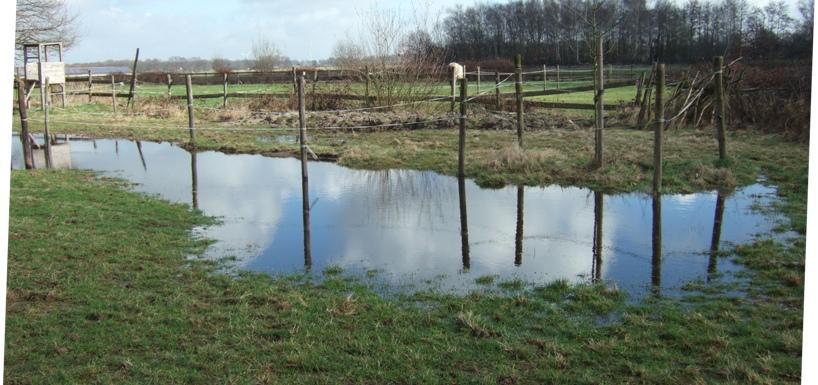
(40,69)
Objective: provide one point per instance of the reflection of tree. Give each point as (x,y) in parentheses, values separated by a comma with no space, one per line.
(464,223)
(716,238)
(597,248)
(406,192)
(518,235)
(656,260)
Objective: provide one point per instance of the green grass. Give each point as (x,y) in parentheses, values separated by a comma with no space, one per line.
(100,291)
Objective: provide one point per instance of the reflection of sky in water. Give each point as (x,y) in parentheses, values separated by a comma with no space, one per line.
(406,223)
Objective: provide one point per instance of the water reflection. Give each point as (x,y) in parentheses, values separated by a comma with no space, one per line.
(407,224)
(712,264)
(464,223)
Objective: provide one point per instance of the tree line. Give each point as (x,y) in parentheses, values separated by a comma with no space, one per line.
(562,31)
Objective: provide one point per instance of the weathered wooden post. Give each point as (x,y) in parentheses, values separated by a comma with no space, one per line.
(28,156)
(659,129)
(518,91)
(518,233)
(189,89)
(497,90)
(478,80)
(453,77)
(366,90)
(224,91)
(640,82)
(113,94)
(90,86)
(599,119)
(544,78)
(558,76)
(47,134)
(461,156)
(170,84)
(720,107)
(305,191)
(131,94)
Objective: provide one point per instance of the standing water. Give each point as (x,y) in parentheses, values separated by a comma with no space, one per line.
(407,224)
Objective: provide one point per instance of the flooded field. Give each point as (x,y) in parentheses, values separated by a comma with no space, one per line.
(421,229)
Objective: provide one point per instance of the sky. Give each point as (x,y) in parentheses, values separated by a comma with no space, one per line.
(302,29)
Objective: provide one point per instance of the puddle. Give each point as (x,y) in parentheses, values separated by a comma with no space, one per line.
(406,224)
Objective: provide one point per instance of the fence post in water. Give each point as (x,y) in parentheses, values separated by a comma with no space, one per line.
(28,157)
(47,135)
(113,94)
(656,258)
(461,156)
(224,91)
(497,90)
(189,89)
(721,119)
(597,247)
(518,90)
(518,233)
(659,129)
(305,191)
(90,86)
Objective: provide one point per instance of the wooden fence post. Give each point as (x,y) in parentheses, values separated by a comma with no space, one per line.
(599,120)
(497,90)
(518,90)
(305,191)
(170,84)
(47,135)
(224,91)
(28,156)
(558,76)
(113,94)
(131,94)
(721,119)
(544,78)
(453,87)
(659,129)
(189,89)
(461,157)
(366,90)
(478,80)
(90,86)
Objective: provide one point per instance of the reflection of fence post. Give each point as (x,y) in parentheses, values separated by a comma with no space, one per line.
(189,89)
(28,157)
(597,248)
(305,191)
(90,86)
(715,238)
(518,233)
(461,159)
(497,90)
(47,135)
(518,90)
(659,129)
(464,223)
(721,118)
(656,259)
(113,94)
(224,91)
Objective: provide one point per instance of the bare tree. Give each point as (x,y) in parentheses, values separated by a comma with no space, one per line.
(348,55)
(266,55)
(221,65)
(45,21)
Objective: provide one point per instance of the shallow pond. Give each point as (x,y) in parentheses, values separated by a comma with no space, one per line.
(406,225)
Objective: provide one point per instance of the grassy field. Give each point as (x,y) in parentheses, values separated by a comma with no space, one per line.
(100,291)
